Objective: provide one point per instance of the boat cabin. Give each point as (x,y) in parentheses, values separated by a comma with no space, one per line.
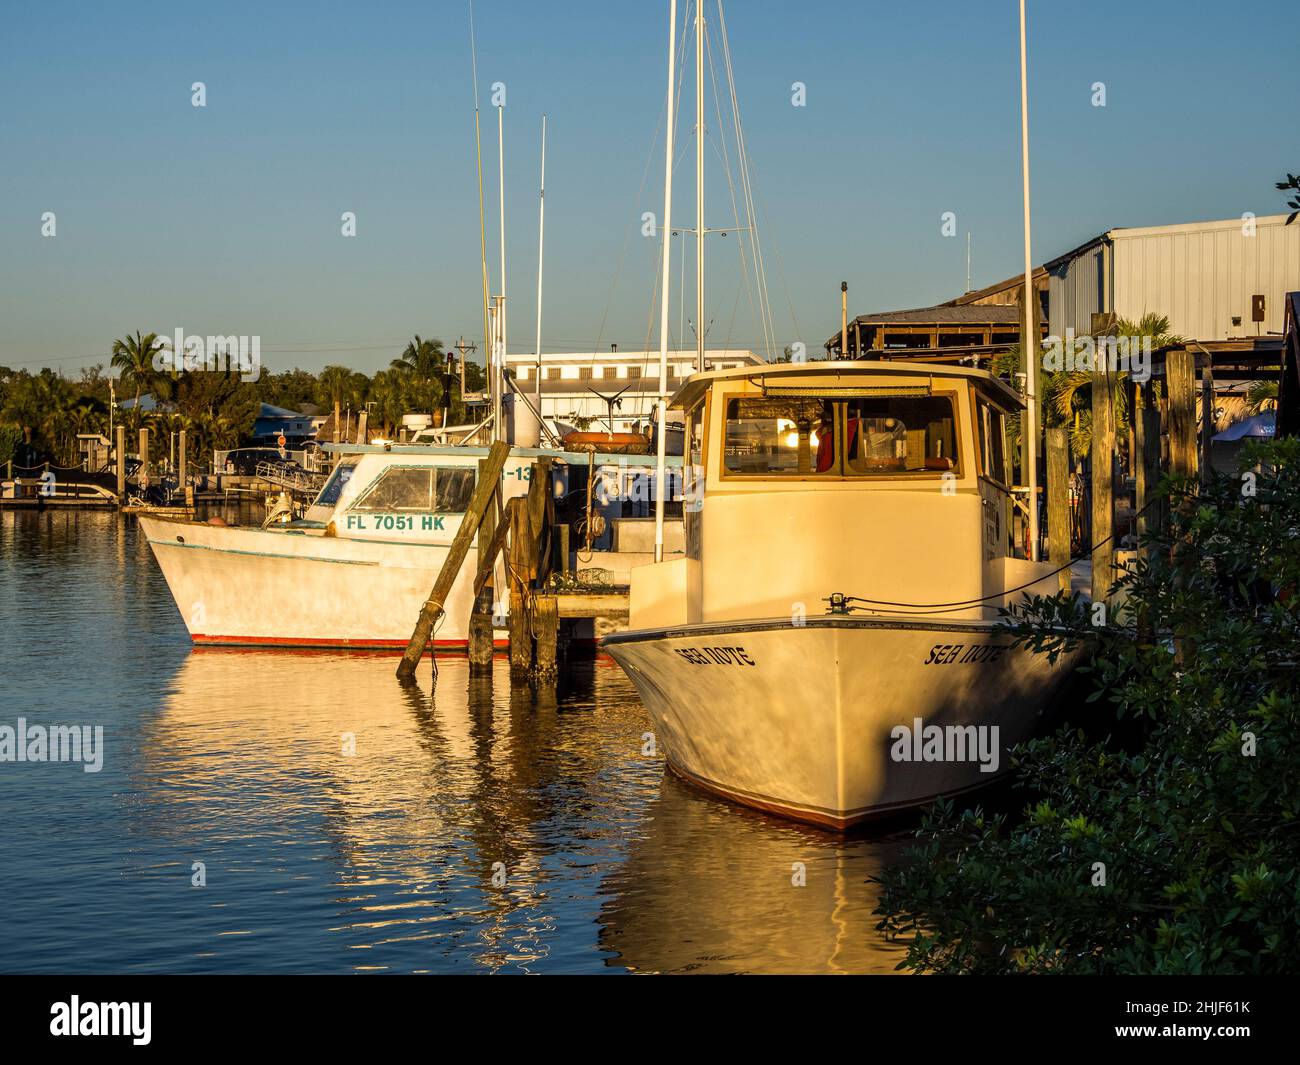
(882,480)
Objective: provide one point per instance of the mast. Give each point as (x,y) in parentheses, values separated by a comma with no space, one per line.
(541,245)
(699,186)
(501,305)
(1029,344)
(482,230)
(661,443)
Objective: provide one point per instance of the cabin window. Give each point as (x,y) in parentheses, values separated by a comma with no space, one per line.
(900,434)
(420,488)
(993,443)
(329,495)
(769,436)
(695,435)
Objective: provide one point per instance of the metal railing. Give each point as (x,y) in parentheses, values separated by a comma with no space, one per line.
(300,482)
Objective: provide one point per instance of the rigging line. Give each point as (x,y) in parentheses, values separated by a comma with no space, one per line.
(747,184)
(724,155)
(482,215)
(639,405)
(627,231)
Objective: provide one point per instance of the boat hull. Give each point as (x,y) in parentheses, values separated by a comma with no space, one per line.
(833,721)
(242,586)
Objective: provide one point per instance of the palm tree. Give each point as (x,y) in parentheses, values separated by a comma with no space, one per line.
(133,358)
(1262,396)
(335,383)
(425,362)
(22,408)
(388,395)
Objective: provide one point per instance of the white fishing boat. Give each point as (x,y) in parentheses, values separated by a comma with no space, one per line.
(356,570)
(828,647)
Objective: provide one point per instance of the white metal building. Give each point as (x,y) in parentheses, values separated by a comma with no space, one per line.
(1206,277)
(573,383)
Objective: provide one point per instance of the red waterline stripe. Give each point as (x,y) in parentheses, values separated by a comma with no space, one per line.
(297,641)
(201,639)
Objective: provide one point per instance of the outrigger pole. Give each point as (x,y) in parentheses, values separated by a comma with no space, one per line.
(661,444)
(1029,344)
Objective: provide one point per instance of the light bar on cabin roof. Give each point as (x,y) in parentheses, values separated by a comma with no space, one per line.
(847,391)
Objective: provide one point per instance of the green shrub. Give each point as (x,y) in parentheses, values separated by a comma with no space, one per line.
(1162,836)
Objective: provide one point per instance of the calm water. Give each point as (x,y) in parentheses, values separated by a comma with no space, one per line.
(317,861)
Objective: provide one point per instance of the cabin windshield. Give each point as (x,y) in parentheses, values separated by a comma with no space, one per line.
(420,488)
(900,434)
(811,436)
(329,495)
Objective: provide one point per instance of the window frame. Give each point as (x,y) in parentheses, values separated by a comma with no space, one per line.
(360,498)
(980,401)
(951,394)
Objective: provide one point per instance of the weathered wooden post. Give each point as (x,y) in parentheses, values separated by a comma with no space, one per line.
(489,482)
(120,445)
(187,489)
(1103,482)
(144,457)
(1058,502)
(1207,419)
(1180,384)
(481,634)
(521,552)
(546,626)
(1146,423)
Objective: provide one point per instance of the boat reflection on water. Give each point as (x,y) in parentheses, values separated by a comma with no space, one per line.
(709,887)
(317,859)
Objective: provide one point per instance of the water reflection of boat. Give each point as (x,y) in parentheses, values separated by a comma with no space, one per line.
(390,852)
(708,888)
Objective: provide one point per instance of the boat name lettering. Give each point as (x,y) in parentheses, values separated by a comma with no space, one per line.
(388,522)
(945,654)
(722,656)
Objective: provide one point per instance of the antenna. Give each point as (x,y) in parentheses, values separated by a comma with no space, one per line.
(661,444)
(1029,344)
(699,185)
(541,246)
(611,403)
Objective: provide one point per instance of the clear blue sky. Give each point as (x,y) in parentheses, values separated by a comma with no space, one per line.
(225,219)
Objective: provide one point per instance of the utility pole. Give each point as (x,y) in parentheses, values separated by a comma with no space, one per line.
(463,348)
(844,319)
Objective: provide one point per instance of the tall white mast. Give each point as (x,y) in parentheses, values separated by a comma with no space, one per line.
(1029,344)
(699,186)
(541,245)
(661,435)
(501,313)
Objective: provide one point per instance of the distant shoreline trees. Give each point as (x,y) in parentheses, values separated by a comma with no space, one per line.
(42,413)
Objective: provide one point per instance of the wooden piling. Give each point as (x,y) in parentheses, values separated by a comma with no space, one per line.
(1058,502)
(1103,482)
(488,484)
(546,627)
(1180,385)
(521,637)
(144,456)
(120,445)
(482,634)
(187,489)
(1207,419)
(1146,421)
